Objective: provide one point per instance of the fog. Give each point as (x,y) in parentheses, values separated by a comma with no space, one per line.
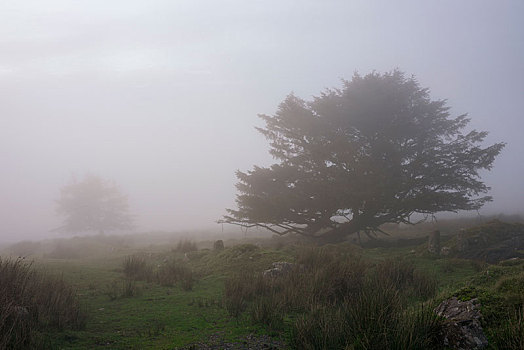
(162,96)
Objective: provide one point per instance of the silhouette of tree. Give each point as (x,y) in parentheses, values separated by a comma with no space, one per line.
(375,151)
(93,204)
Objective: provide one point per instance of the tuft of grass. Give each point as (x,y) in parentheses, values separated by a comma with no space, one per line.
(167,274)
(339,301)
(126,288)
(402,275)
(136,267)
(267,311)
(175,272)
(32,302)
(511,335)
(511,284)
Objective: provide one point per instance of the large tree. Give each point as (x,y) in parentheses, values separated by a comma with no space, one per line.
(93,204)
(375,151)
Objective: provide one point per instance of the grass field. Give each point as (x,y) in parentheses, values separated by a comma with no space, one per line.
(181,300)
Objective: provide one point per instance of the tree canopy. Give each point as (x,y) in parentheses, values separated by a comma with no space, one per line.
(93,204)
(375,151)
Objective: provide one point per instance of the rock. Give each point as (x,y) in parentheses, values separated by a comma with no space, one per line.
(462,329)
(278,269)
(218,245)
(434,242)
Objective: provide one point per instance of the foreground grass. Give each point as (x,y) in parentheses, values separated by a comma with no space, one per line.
(133,314)
(33,304)
(144,313)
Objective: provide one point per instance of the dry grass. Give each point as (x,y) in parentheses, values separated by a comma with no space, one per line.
(32,302)
(338,300)
(169,273)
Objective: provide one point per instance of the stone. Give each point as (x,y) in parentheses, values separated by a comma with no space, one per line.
(218,245)
(278,269)
(462,329)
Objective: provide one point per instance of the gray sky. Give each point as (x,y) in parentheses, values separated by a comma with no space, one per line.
(162,96)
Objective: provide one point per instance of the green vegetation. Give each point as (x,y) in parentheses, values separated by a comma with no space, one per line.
(169,296)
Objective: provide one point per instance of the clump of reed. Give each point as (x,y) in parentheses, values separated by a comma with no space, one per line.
(168,273)
(337,301)
(32,302)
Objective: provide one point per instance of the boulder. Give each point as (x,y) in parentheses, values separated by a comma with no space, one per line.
(462,329)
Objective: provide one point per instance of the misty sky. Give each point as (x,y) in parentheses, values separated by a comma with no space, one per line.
(162,96)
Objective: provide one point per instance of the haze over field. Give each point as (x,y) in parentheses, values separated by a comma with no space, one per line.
(162,96)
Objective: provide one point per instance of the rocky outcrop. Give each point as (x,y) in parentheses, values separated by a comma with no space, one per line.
(462,329)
